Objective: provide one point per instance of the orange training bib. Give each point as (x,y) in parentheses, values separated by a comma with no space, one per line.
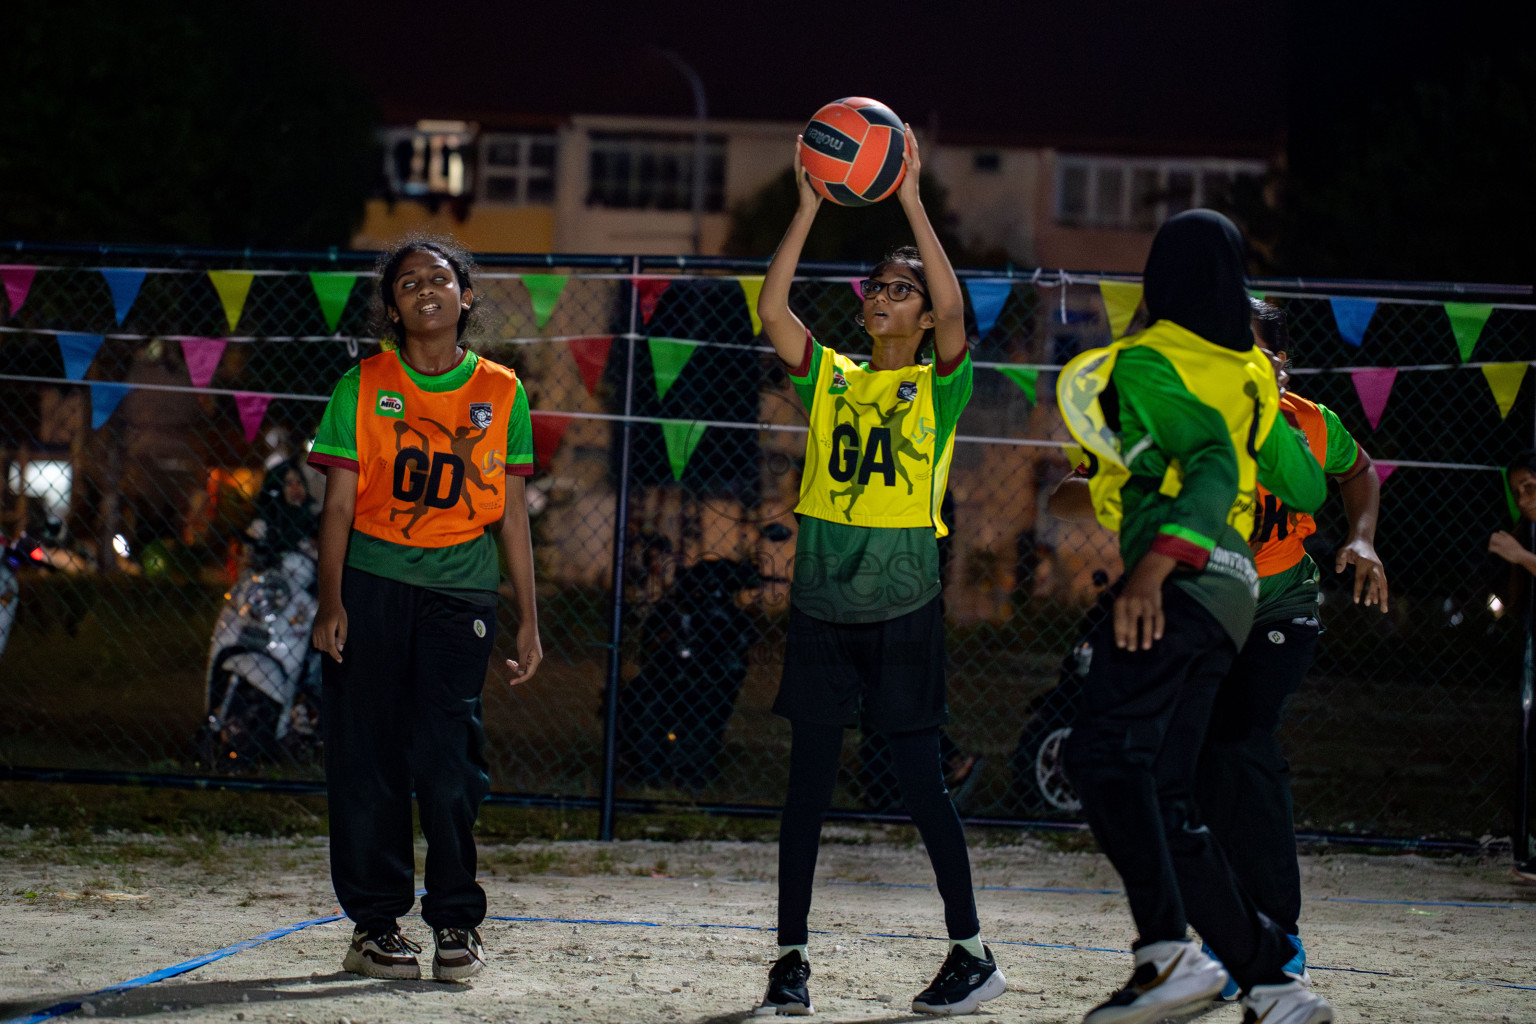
(1279,529)
(431,465)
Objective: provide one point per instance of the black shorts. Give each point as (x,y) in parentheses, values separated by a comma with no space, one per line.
(884,676)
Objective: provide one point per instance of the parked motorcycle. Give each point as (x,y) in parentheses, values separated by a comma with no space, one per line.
(14,554)
(262,698)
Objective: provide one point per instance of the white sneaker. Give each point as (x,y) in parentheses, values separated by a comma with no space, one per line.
(1291,1003)
(1171,979)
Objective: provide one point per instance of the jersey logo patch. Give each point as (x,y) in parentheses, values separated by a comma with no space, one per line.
(907,391)
(839,383)
(480,414)
(391,404)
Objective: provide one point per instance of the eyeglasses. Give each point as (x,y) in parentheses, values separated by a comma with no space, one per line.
(896,290)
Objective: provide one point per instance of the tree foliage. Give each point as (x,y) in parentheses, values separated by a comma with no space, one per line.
(157,121)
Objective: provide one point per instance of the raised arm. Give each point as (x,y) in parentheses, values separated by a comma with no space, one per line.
(783,328)
(943,286)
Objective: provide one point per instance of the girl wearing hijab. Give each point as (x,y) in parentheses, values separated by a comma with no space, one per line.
(1179,423)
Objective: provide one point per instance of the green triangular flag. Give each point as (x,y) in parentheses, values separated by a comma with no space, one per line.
(1025,378)
(233,286)
(1120,301)
(682,437)
(332,288)
(752,287)
(1504,379)
(668,357)
(544,290)
(1509,497)
(1255,294)
(1467,320)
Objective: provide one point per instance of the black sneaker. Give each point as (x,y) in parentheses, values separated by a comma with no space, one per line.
(383,954)
(962,984)
(459,955)
(787,993)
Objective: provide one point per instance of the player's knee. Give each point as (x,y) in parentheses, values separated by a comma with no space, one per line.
(1098,754)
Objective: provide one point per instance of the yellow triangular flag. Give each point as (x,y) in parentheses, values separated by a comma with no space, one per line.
(233,286)
(1120,301)
(752,287)
(1504,380)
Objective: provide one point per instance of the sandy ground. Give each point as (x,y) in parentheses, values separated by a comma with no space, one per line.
(77,918)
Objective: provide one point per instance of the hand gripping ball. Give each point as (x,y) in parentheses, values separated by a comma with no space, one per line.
(852,150)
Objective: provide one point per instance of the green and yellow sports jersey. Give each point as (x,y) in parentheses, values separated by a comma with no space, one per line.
(877,463)
(465,569)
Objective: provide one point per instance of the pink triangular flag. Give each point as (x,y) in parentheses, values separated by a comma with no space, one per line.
(253,409)
(18,281)
(858,287)
(1374,388)
(1384,470)
(202,356)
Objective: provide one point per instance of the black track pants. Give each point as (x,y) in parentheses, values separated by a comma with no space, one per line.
(813,760)
(402,711)
(1133,755)
(1244,783)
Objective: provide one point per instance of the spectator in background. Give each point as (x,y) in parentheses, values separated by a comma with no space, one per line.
(1521,477)
(286,518)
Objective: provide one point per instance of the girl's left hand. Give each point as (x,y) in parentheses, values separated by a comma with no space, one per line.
(530,652)
(1506,547)
(907,190)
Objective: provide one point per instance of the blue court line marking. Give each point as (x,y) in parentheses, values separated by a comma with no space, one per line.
(1426,903)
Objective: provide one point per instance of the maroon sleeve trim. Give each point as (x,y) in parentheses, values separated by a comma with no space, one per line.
(944,369)
(323,461)
(1189,554)
(520,469)
(1362,463)
(805,360)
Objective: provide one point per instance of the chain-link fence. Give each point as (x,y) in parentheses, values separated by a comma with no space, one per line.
(156,407)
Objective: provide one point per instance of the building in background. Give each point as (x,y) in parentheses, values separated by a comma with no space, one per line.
(624,184)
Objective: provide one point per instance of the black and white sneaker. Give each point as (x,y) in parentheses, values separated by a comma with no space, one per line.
(1171,979)
(1291,1003)
(787,992)
(459,955)
(386,954)
(962,984)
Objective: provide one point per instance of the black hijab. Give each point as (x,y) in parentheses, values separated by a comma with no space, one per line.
(1195,278)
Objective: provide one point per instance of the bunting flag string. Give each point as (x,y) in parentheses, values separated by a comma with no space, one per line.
(1374,388)
(544,292)
(1027,379)
(1121,298)
(253,409)
(79,351)
(1353,316)
(18,281)
(548,431)
(1504,381)
(233,286)
(124,284)
(668,357)
(987,298)
(649,291)
(1467,321)
(202,357)
(105,398)
(752,287)
(591,355)
(332,289)
(681,437)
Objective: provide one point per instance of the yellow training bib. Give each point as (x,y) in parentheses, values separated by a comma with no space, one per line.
(873,457)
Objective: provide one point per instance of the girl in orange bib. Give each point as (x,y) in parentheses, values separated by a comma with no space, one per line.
(426,447)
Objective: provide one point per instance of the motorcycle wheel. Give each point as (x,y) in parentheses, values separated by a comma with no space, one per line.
(248,734)
(1040,773)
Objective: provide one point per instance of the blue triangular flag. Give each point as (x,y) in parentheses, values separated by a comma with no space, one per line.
(104,401)
(1353,316)
(78,350)
(987,298)
(124,284)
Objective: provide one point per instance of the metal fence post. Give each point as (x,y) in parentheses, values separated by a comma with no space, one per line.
(620,531)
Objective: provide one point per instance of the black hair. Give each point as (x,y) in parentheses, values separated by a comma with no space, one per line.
(387,268)
(909,257)
(1526,460)
(1270,323)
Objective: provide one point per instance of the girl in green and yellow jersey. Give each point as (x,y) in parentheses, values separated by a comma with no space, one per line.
(866,635)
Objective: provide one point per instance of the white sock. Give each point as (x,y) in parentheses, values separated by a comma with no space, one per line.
(972,946)
(786,950)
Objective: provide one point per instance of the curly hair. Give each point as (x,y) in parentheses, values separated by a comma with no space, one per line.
(387,268)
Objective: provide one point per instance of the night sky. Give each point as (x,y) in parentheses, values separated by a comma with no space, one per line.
(1169,76)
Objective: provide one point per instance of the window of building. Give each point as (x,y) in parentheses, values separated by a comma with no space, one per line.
(433,158)
(517,168)
(987,161)
(653,171)
(1139,194)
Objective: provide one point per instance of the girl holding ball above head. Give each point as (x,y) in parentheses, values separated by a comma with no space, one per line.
(866,634)
(426,447)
